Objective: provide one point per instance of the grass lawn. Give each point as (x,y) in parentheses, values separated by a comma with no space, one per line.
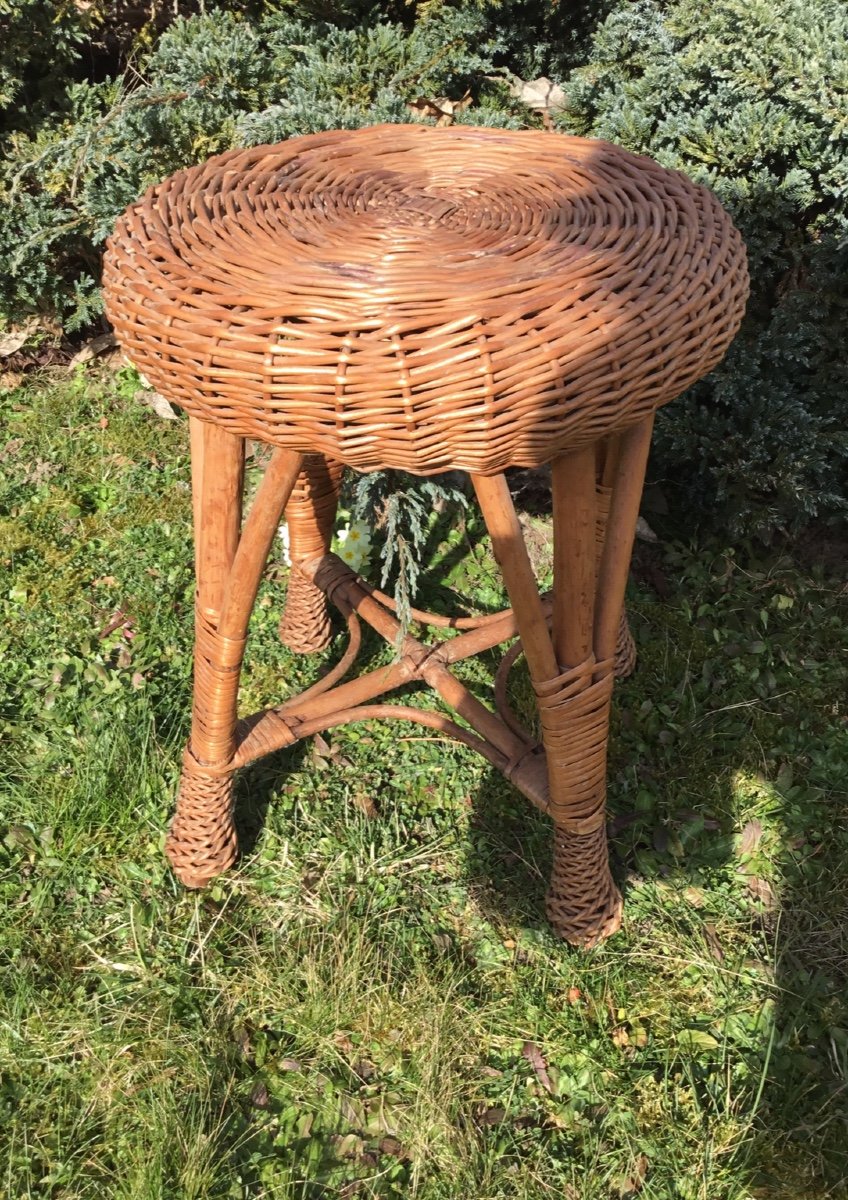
(371,1004)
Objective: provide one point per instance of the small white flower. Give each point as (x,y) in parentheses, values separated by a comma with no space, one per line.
(353,544)
(353,556)
(359,534)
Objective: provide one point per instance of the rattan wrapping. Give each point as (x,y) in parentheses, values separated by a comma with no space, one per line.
(310,513)
(202,838)
(403,296)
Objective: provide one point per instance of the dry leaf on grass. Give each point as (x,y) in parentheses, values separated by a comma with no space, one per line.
(97,345)
(365,805)
(343,1042)
(633,1182)
(620,1037)
(750,838)
(14,338)
(712,940)
(393,1147)
(492,1116)
(9,380)
(762,890)
(321,747)
(537,1061)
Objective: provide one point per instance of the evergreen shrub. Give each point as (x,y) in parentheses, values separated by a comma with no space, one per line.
(212,82)
(751,98)
(748,96)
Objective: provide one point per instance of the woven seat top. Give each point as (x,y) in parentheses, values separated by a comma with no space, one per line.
(423,298)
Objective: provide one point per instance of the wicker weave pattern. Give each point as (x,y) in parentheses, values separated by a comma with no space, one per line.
(202,838)
(216,672)
(574,712)
(310,513)
(403,296)
(583,902)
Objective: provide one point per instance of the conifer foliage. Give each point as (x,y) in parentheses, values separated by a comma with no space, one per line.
(751,98)
(748,96)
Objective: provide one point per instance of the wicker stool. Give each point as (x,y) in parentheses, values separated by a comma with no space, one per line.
(423,299)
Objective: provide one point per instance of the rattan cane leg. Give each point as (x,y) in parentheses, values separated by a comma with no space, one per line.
(572,672)
(625,647)
(202,840)
(583,903)
(573,704)
(310,514)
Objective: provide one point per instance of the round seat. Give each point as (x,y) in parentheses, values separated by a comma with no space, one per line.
(421,298)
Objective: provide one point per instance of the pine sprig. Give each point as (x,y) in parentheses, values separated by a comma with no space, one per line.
(401,507)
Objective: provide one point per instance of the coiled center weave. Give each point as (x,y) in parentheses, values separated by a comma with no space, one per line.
(403,296)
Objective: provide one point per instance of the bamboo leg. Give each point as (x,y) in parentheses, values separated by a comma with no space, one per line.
(575,528)
(202,840)
(514,562)
(197,441)
(634,447)
(310,514)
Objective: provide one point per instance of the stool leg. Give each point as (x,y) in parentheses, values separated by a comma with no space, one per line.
(310,515)
(228,565)
(572,671)
(625,647)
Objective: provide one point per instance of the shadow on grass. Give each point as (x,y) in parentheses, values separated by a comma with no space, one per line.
(671,830)
(792,1060)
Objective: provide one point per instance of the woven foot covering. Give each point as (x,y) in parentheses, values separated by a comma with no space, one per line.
(202,840)
(583,903)
(305,624)
(310,513)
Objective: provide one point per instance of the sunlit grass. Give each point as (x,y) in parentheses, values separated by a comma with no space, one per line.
(361,1007)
